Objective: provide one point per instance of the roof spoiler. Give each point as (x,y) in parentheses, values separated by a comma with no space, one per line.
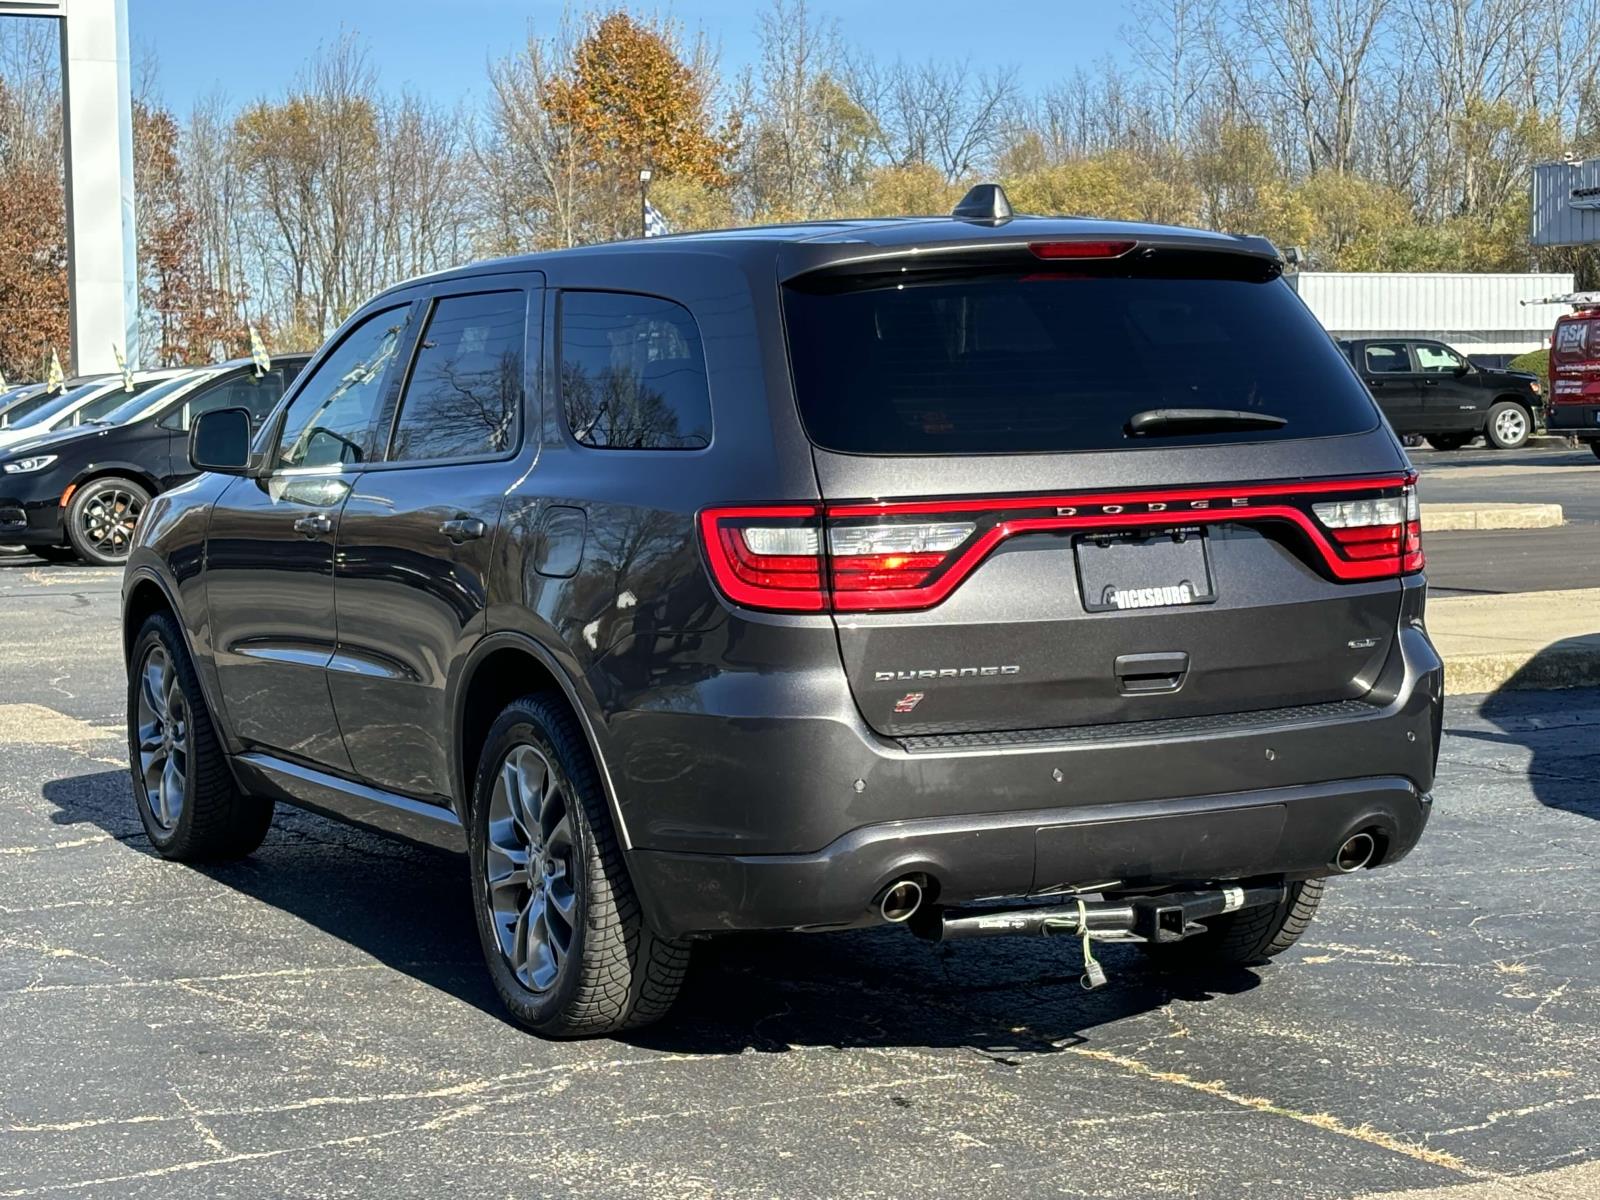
(984,204)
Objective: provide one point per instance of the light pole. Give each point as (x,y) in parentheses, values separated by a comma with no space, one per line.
(644,202)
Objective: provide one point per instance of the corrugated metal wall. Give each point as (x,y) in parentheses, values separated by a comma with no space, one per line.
(1470,309)
(1555,221)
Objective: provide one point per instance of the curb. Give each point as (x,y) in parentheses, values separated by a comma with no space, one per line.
(1518,641)
(1444,518)
(1554,669)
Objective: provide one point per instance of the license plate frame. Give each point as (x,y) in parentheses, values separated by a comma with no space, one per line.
(1138,571)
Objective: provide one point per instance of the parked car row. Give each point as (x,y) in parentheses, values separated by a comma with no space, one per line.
(78,466)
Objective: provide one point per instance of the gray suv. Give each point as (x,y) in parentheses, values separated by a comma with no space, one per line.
(983,574)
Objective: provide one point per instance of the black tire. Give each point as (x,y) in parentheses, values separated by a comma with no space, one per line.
(1509,426)
(214,820)
(1250,935)
(615,972)
(1449,441)
(1595,447)
(54,554)
(101,517)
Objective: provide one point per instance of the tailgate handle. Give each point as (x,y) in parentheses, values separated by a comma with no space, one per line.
(1138,674)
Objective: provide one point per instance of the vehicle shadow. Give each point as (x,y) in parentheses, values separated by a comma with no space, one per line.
(1560,729)
(409,908)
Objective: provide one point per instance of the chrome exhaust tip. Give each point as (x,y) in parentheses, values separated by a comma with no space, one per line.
(1356,853)
(900,901)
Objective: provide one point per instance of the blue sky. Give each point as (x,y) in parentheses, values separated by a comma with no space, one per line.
(245,50)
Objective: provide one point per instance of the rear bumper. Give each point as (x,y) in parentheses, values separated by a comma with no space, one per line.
(1185,804)
(1280,832)
(1579,420)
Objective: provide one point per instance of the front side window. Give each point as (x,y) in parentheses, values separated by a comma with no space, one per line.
(465,388)
(633,374)
(1436,359)
(330,421)
(1388,358)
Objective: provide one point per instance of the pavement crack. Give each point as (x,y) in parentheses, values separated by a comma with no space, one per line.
(1324,1121)
(1527,1110)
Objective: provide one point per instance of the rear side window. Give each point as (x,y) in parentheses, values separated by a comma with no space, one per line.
(1056,362)
(259,394)
(465,388)
(633,374)
(1387,358)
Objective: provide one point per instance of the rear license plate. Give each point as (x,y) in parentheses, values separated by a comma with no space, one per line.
(1156,570)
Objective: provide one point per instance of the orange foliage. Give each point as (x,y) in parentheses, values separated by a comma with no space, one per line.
(632,102)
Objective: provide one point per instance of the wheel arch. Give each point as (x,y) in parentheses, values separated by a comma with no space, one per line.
(500,668)
(143,597)
(117,470)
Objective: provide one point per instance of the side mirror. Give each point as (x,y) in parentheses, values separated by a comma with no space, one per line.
(1463,369)
(219,441)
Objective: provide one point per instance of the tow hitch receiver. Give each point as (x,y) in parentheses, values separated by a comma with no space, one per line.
(1165,917)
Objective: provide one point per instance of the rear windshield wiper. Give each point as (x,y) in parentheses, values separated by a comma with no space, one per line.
(1158,421)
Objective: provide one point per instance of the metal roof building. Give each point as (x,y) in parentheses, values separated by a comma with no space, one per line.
(1481,315)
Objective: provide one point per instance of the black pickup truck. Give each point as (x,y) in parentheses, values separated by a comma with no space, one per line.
(1426,388)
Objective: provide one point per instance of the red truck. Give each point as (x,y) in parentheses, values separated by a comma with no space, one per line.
(1572,408)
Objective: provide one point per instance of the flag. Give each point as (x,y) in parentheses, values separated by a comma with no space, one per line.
(655,225)
(55,378)
(258,352)
(122,365)
(3,386)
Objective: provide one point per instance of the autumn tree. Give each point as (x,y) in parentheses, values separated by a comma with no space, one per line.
(33,219)
(630,99)
(186,317)
(33,270)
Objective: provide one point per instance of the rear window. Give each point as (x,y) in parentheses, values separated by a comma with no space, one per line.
(1573,339)
(1053,362)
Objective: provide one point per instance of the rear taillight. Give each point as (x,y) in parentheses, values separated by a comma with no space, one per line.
(900,556)
(1381,529)
(766,557)
(774,558)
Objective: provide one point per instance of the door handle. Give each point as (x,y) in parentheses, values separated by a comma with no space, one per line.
(463,529)
(1374,383)
(1430,383)
(1138,674)
(314,525)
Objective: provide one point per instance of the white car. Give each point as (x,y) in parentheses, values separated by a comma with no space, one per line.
(87,400)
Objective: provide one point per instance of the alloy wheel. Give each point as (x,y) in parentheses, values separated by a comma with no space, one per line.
(163,737)
(108,520)
(1511,426)
(528,868)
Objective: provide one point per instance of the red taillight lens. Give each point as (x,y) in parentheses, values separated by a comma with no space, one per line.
(766,557)
(1382,530)
(1059,250)
(905,555)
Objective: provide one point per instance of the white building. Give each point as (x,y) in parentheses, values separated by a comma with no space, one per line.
(1481,315)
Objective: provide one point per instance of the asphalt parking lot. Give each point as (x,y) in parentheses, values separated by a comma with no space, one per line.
(1514,560)
(315,1021)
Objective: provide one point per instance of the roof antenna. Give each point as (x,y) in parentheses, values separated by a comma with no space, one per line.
(985,204)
